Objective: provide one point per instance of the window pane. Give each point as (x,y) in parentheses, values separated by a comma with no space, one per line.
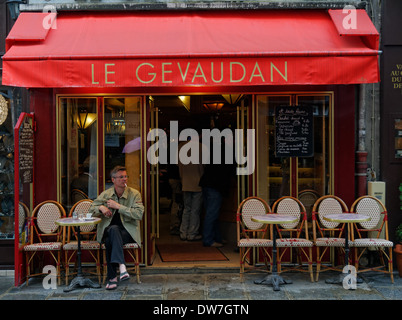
(78,119)
(313,172)
(398,138)
(273,172)
(7,173)
(123,138)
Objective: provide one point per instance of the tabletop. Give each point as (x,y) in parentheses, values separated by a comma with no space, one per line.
(77,222)
(346,217)
(275,218)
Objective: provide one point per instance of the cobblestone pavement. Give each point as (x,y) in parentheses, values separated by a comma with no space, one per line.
(212,286)
(196,294)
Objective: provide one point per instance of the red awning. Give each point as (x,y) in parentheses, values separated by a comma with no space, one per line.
(206,48)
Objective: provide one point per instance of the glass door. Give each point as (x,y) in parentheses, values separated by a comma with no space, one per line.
(245,149)
(153,183)
(78,140)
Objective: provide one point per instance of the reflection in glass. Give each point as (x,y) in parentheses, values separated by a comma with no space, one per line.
(313,172)
(78,119)
(123,138)
(6,177)
(273,172)
(398,138)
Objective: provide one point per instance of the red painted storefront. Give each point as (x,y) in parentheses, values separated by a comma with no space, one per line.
(291,54)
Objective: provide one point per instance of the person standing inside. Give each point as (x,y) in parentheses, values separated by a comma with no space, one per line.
(215,184)
(190,175)
(176,210)
(120,208)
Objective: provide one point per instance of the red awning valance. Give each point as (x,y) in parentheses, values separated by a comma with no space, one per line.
(206,48)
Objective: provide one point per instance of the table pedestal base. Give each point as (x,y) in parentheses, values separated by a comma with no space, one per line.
(275,280)
(81,281)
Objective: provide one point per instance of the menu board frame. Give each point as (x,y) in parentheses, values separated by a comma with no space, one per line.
(294,131)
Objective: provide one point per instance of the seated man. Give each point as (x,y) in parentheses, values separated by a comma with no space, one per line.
(120,208)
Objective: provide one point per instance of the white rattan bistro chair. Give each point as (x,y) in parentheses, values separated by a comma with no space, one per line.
(88,241)
(372,234)
(43,227)
(328,234)
(293,235)
(250,234)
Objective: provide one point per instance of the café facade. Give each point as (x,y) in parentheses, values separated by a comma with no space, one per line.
(99,82)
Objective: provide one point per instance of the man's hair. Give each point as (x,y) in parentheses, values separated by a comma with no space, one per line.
(115,170)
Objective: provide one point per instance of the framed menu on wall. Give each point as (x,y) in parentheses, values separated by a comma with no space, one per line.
(294,135)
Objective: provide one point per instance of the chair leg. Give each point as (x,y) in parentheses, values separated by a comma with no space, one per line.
(27,268)
(279,260)
(356,249)
(137,265)
(241,251)
(98,266)
(104,266)
(390,266)
(318,264)
(58,267)
(66,266)
(310,264)
(266,258)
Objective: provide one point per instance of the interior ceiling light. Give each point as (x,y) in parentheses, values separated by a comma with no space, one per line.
(85,119)
(214,106)
(233,99)
(186,102)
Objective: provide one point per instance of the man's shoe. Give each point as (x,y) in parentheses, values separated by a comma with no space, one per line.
(175,232)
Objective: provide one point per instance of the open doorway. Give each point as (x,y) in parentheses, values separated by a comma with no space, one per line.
(196,112)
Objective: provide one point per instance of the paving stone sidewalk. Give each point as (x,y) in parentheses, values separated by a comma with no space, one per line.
(212,286)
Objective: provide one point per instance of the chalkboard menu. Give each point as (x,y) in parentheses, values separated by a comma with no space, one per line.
(26,144)
(294,131)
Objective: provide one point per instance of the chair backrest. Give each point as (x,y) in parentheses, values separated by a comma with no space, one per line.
(46,213)
(373,208)
(249,207)
(77,195)
(308,198)
(23,214)
(290,206)
(327,205)
(246,228)
(83,206)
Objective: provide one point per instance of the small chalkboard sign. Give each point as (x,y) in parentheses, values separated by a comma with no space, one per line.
(26,144)
(294,131)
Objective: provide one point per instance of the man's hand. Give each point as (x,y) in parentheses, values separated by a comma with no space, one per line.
(106,212)
(113,204)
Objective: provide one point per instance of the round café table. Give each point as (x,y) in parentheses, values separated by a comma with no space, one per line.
(79,280)
(274,278)
(345,218)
